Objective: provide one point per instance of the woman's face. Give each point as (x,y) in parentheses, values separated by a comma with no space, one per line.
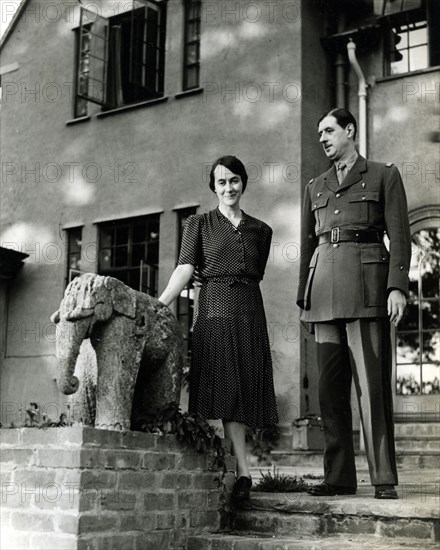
(228,186)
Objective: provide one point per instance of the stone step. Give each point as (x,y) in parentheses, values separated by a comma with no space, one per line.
(414,515)
(407,459)
(420,443)
(327,542)
(417,429)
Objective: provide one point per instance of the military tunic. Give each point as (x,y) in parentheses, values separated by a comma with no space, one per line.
(343,290)
(344,280)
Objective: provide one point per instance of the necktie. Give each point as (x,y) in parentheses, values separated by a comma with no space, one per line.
(341,171)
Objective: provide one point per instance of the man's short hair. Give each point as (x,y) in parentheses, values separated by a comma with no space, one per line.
(343,118)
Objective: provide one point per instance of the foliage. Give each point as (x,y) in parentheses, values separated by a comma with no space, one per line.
(280,483)
(188,428)
(262,442)
(193,430)
(35,419)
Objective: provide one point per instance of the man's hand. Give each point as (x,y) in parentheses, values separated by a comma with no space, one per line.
(396,306)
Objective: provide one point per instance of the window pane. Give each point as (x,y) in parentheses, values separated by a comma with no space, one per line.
(408,380)
(402,39)
(418,37)
(430,379)
(431,348)
(106,237)
(75,261)
(121,235)
(410,320)
(74,241)
(418,58)
(153,229)
(192,77)
(134,278)
(430,315)
(139,232)
(399,67)
(121,256)
(429,270)
(138,254)
(105,259)
(184,302)
(193,9)
(192,53)
(193,31)
(408,348)
(153,253)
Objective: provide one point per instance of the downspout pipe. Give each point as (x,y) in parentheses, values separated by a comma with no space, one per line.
(362,94)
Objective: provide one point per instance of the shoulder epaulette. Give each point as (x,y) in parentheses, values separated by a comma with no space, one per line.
(388,164)
(311,180)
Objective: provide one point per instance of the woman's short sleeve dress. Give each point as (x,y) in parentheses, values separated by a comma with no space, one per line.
(231,375)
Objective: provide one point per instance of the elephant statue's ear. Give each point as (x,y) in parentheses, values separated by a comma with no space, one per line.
(123,297)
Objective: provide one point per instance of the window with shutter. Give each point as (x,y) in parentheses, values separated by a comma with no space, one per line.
(121,58)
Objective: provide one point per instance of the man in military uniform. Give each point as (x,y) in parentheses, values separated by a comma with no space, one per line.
(350,288)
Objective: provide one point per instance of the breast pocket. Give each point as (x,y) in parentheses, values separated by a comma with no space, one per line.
(319,208)
(364,205)
(375,265)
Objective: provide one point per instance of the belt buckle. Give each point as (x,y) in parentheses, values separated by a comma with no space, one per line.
(334,236)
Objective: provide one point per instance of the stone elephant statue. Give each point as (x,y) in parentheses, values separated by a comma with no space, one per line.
(126,348)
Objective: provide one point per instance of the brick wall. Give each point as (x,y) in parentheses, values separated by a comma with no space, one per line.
(83,488)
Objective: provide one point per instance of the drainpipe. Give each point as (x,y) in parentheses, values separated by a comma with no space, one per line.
(362,94)
(340,63)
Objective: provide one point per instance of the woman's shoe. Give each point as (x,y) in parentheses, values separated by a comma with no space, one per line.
(242,488)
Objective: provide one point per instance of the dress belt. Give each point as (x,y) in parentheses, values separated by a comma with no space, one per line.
(337,235)
(231,280)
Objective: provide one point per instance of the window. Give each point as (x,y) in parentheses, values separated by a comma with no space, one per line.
(389,7)
(185,302)
(408,49)
(121,58)
(80,108)
(129,251)
(74,243)
(191,50)
(412,35)
(418,334)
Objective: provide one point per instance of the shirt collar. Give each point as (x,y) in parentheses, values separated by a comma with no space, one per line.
(350,162)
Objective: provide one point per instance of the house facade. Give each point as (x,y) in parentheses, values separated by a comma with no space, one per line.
(113,112)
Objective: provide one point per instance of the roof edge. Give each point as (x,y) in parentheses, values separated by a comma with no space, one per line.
(13,23)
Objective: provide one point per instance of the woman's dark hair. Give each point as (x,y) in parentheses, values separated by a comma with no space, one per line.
(343,117)
(231,163)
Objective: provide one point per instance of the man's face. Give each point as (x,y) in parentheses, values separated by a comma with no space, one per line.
(336,141)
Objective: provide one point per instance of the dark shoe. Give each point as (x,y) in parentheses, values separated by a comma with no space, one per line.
(242,488)
(328,490)
(385,492)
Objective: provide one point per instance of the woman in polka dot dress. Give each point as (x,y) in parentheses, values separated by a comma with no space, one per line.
(231,369)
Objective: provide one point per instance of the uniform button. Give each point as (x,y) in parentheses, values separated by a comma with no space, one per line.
(337,211)
(401,267)
(315,205)
(363,197)
(338,195)
(318,194)
(383,258)
(335,245)
(363,184)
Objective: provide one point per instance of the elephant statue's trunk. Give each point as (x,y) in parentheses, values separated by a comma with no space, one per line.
(69,337)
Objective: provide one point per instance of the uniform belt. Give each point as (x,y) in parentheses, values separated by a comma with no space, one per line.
(337,235)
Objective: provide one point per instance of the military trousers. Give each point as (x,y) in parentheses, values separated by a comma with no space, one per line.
(358,350)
